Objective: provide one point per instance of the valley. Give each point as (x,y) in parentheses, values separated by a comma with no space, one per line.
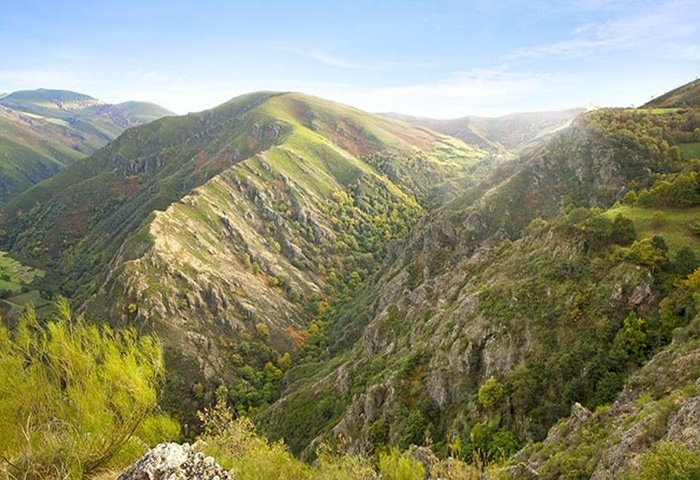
(515,294)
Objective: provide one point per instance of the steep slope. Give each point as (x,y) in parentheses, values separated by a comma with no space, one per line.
(510,133)
(228,231)
(43,131)
(684,96)
(482,288)
(650,431)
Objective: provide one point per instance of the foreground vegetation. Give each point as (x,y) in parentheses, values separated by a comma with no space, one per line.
(76,398)
(236,446)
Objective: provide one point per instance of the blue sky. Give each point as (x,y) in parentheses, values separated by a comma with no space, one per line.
(439,58)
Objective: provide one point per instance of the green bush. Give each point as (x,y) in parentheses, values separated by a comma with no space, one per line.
(395,465)
(236,446)
(491,393)
(669,461)
(73,395)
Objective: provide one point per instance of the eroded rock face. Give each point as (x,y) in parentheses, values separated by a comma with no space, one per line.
(172,461)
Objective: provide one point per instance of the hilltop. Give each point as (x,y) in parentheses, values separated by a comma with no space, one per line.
(43,131)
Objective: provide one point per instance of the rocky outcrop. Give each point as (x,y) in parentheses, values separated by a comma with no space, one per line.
(171,461)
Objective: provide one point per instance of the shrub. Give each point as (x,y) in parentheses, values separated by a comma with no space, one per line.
(394,465)
(73,395)
(491,393)
(236,446)
(669,461)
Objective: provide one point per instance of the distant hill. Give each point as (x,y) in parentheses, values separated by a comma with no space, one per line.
(510,133)
(687,95)
(43,131)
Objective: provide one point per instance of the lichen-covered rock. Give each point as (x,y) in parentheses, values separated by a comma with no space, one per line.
(520,472)
(172,461)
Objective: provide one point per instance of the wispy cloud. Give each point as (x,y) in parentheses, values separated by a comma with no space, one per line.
(477,91)
(324,58)
(662,24)
(328,59)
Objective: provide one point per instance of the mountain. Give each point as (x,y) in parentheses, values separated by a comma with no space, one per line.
(510,133)
(229,231)
(684,96)
(507,305)
(43,131)
(338,274)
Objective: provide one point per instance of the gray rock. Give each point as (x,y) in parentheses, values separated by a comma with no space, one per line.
(172,461)
(520,471)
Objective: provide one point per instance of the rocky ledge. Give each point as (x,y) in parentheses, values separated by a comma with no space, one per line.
(171,461)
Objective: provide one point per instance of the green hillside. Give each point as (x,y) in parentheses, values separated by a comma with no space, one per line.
(678,226)
(360,285)
(43,131)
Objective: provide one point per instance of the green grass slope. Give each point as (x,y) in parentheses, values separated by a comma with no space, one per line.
(676,225)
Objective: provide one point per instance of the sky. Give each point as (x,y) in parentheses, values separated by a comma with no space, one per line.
(433,58)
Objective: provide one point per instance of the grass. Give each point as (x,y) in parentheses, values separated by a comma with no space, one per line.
(14,272)
(690,150)
(13,306)
(15,277)
(671,223)
(659,111)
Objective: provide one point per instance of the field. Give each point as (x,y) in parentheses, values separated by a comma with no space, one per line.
(15,279)
(690,150)
(674,224)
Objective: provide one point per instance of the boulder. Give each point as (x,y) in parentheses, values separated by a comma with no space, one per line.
(172,461)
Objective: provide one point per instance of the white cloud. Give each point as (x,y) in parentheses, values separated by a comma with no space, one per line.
(322,57)
(336,61)
(478,91)
(663,23)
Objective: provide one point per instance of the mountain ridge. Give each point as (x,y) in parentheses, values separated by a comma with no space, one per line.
(508,133)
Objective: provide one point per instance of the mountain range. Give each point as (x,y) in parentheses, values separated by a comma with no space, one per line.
(519,288)
(43,131)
